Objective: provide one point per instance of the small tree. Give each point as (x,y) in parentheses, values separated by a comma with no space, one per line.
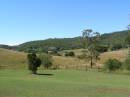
(116,47)
(33,62)
(102,48)
(90,41)
(71,53)
(46,60)
(113,64)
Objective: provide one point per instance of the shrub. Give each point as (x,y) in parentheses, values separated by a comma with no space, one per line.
(46,60)
(116,47)
(33,62)
(102,48)
(113,64)
(71,53)
(127,64)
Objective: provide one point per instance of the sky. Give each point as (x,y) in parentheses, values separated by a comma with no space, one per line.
(28,20)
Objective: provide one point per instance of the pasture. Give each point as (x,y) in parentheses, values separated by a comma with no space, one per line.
(13,59)
(63,83)
(17,81)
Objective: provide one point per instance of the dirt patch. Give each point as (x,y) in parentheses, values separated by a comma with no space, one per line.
(114,90)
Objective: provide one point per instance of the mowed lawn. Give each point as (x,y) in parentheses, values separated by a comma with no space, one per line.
(63,83)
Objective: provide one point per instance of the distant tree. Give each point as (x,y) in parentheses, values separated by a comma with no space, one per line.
(102,48)
(46,60)
(116,46)
(71,53)
(90,40)
(33,62)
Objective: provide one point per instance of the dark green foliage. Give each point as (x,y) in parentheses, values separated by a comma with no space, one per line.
(115,38)
(8,47)
(113,64)
(109,39)
(49,44)
(127,64)
(46,60)
(102,48)
(116,47)
(71,53)
(33,62)
(31,50)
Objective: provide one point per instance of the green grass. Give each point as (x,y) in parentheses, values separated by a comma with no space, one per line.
(63,83)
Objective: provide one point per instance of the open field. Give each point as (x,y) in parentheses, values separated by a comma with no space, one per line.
(60,83)
(63,83)
(119,55)
(13,59)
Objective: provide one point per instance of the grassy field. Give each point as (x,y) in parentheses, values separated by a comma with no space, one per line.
(63,83)
(73,62)
(119,55)
(16,81)
(14,59)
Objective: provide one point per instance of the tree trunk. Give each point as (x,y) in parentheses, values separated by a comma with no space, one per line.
(91,62)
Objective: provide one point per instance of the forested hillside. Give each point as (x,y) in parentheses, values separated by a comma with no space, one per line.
(109,39)
(115,37)
(59,43)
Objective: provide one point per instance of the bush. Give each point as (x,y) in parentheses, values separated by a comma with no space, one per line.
(116,47)
(46,60)
(102,48)
(113,64)
(127,64)
(33,62)
(71,53)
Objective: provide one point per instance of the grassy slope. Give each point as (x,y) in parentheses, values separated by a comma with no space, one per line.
(63,83)
(11,59)
(120,55)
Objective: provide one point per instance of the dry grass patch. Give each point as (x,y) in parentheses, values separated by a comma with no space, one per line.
(12,59)
(119,55)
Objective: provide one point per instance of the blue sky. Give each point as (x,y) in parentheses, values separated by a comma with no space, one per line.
(27,20)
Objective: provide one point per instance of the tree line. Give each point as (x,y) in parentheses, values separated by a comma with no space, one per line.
(111,41)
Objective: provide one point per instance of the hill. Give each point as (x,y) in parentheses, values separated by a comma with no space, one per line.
(115,37)
(60,43)
(74,43)
(109,39)
(119,55)
(12,59)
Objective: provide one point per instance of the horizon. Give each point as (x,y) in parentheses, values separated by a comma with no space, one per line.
(56,38)
(28,20)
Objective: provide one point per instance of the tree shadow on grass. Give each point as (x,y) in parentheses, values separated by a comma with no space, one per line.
(45,74)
